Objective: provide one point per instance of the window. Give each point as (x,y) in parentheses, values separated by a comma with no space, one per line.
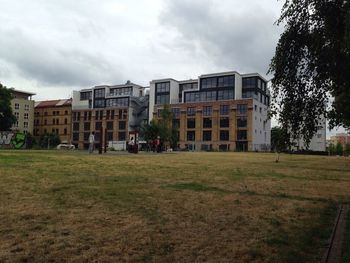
(99,93)
(101,114)
(98,125)
(75,136)
(227,81)
(53,121)
(112,114)
(87,126)
(108,113)
(163,99)
(121,136)
(206,135)
(76,126)
(260,109)
(109,136)
(208,83)
(191,123)
(208,96)
(45,122)
(225,94)
(25,125)
(207,123)
(163,87)
(176,123)
(65,131)
(224,135)
(207,111)
(99,103)
(122,125)
(191,111)
(249,83)
(57,121)
(241,122)
(224,122)
(255,107)
(17,115)
(86,136)
(176,112)
(126,91)
(85,116)
(66,112)
(224,109)
(86,95)
(117,102)
(241,135)
(57,113)
(16,106)
(242,108)
(192,96)
(26,107)
(110,125)
(191,136)
(65,121)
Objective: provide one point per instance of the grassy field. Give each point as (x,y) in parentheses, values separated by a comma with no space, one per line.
(176,207)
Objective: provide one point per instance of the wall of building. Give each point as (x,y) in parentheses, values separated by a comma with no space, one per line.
(24,113)
(54,120)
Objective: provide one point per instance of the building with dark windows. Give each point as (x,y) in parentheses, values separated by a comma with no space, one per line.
(222,111)
(53,116)
(118,110)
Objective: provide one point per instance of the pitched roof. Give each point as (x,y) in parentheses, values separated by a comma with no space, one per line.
(53,103)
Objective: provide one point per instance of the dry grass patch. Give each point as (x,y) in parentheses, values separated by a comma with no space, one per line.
(186,207)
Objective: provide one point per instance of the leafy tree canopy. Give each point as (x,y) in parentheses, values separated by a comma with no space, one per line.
(6,116)
(311,64)
(163,127)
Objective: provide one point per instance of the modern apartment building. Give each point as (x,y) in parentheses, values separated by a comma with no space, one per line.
(53,116)
(118,110)
(221,111)
(23,108)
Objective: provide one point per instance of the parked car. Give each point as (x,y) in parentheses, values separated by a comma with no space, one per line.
(65,146)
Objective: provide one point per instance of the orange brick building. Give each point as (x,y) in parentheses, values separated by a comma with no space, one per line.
(53,116)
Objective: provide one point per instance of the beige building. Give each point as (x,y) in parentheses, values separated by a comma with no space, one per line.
(53,116)
(23,108)
(222,111)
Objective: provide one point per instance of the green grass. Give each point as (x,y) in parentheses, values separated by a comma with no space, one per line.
(185,207)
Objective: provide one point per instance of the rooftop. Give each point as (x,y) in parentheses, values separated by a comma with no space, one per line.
(53,103)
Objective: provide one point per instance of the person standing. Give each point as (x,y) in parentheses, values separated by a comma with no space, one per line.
(91,142)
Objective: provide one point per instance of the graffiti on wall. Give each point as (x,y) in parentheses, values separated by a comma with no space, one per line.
(16,140)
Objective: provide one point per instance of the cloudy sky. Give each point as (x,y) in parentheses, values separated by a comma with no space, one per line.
(54,47)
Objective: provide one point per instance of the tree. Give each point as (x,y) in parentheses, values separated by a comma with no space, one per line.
(163,127)
(49,140)
(347,149)
(311,64)
(331,149)
(339,148)
(279,139)
(6,116)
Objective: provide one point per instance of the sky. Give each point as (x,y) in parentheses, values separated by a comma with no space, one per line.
(54,47)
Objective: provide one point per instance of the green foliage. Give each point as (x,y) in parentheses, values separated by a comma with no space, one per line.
(279,139)
(331,149)
(30,141)
(347,149)
(163,127)
(6,116)
(312,62)
(49,139)
(339,148)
